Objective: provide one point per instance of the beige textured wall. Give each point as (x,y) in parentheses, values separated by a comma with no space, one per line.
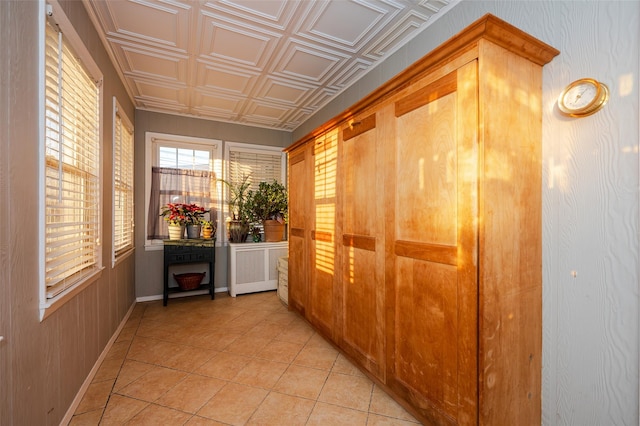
(43,364)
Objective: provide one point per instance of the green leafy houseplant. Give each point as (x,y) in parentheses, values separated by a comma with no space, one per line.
(208,224)
(255,234)
(269,204)
(238,223)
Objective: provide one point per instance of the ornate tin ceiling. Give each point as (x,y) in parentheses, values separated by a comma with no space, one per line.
(267,63)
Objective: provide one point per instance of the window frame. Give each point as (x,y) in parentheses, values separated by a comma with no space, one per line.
(52,11)
(214,145)
(118,256)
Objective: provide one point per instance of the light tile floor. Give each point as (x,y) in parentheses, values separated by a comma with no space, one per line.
(230,361)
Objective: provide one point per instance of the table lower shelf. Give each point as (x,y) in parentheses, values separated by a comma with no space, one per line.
(175,292)
(182,252)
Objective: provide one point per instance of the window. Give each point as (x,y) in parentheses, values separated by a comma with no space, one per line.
(180,170)
(186,170)
(259,163)
(71,164)
(122,184)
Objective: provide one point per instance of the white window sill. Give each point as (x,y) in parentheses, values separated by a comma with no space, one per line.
(153,246)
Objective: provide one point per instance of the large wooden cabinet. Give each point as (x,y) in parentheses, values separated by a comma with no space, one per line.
(415,241)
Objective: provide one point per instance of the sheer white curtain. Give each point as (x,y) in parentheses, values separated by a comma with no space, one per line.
(169,185)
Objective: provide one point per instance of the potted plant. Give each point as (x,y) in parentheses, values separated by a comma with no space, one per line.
(255,234)
(175,216)
(209,228)
(269,204)
(180,216)
(239,221)
(194,215)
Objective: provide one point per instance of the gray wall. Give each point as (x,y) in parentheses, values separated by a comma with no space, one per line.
(149,269)
(590,199)
(43,364)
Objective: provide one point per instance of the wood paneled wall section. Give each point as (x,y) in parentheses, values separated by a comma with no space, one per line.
(43,364)
(416,230)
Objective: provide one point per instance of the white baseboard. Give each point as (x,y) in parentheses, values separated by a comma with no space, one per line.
(184,294)
(85,385)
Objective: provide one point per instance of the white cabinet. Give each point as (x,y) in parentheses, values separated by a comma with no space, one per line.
(254,266)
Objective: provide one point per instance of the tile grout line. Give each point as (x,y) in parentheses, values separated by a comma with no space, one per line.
(112,392)
(156,320)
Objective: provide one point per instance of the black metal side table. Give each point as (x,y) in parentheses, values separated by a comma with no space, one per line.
(189,251)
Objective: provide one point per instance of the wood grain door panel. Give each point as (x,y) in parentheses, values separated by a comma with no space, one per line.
(435,236)
(362,287)
(298,279)
(427,331)
(426,173)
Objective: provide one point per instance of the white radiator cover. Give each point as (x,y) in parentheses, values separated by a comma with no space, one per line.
(253,267)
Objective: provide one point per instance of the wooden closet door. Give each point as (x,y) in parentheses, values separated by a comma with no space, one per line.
(323,241)
(299,227)
(432,336)
(361,317)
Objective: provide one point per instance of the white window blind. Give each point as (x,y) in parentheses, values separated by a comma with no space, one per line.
(260,166)
(72,168)
(122,185)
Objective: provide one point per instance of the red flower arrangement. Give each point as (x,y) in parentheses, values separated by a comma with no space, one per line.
(183,214)
(194,214)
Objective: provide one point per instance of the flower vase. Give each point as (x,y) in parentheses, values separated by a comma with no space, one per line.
(273,231)
(237,231)
(193,231)
(207,233)
(176,232)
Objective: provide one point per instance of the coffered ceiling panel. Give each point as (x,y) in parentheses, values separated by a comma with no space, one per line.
(152,64)
(308,63)
(350,24)
(224,78)
(234,42)
(280,90)
(267,63)
(216,105)
(165,24)
(161,97)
